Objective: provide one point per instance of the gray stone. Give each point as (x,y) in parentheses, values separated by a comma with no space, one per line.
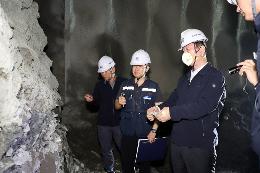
(31,136)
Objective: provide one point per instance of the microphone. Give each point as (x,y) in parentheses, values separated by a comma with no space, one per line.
(234,69)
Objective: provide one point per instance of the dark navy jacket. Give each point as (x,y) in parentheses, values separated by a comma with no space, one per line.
(195,107)
(138,100)
(255,125)
(104,97)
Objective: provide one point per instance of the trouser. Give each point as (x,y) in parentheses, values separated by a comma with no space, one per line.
(128,154)
(106,135)
(192,160)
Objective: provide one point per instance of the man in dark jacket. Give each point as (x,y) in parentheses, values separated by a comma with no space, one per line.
(194,107)
(103,97)
(250,9)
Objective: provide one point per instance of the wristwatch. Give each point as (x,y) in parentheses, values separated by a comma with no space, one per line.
(153,130)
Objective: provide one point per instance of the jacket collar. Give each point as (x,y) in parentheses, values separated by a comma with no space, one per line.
(203,71)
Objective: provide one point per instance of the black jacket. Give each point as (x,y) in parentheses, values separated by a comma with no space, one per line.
(195,107)
(104,98)
(255,122)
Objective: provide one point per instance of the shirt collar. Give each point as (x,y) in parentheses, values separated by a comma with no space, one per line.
(197,70)
(193,73)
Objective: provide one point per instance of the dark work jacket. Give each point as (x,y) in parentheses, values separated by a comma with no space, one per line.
(138,99)
(104,98)
(255,122)
(195,107)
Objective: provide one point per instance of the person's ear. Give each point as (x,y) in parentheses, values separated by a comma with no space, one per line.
(201,51)
(147,69)
(113,70)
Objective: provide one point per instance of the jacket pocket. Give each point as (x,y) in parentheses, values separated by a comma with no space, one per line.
(127,123)
(143,125)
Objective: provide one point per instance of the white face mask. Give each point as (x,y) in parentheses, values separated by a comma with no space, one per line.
(188,59)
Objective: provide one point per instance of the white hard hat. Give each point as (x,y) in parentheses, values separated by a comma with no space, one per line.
(192,35)
(140,57)
(105,63)
(233,2)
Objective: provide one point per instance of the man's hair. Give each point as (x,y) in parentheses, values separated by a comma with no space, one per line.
(199,44)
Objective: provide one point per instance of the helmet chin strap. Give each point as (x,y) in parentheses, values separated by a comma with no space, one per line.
(253,3)
(143,76)
(195,59)
(194,62)
(113,75)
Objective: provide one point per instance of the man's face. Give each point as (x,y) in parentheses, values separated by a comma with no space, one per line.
(194,49)
(244,7)
(190,48)
(138,70)
(108,75)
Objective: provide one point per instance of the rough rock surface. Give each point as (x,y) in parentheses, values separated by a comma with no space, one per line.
(31,137)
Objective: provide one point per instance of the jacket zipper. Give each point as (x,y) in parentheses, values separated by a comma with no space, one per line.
(203,128)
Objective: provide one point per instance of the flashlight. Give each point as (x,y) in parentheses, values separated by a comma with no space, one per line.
(234,70)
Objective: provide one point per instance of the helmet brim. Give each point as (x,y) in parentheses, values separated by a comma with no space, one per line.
(233,2)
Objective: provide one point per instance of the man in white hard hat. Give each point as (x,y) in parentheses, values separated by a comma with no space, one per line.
(135,96)
(194,107)
(103,97)
(250,10)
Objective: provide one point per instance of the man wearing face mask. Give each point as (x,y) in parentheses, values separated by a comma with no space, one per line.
(103,97)
(194,107)
(250,10)
(135,96)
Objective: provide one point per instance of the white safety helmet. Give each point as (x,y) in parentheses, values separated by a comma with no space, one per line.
(105,63)
(233,2)
(140,57)
(192,35)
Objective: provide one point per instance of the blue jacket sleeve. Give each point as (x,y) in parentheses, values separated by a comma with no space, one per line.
(170,101)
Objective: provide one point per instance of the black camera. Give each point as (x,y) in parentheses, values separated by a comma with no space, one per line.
(234,70)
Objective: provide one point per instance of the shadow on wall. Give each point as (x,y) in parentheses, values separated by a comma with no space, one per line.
(199,20)
(54,30)
(108,45)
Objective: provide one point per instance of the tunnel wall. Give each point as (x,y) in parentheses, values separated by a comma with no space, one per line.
(119,27)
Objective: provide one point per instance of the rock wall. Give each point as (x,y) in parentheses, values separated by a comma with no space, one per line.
(31,137)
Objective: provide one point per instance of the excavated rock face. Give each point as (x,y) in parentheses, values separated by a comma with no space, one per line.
(31,138)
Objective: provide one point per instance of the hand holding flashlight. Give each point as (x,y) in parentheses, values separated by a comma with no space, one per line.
(249,69)
(122,100)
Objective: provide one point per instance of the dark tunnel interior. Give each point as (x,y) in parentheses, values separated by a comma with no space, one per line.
(80,32)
